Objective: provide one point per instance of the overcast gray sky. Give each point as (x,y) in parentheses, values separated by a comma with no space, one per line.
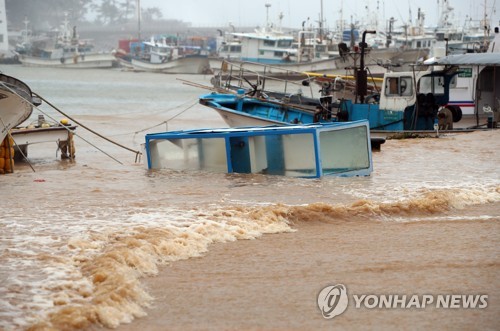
(253,12)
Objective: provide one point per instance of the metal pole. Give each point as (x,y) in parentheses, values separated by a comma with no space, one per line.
(139,19)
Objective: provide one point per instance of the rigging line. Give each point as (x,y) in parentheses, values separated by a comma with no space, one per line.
(67,129)
(166,121)
(156,125)
(85,127)
(171,109)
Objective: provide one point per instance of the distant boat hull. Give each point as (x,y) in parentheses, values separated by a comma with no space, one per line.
(376,60)
(86,61)
(15,104)
(185,65)
(325,65)
(379,60)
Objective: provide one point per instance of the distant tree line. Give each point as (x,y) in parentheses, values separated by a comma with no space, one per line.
(51,12)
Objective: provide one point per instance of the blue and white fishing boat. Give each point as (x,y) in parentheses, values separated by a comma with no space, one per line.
(261,106)
(310,151)
(407,101)
(243,110)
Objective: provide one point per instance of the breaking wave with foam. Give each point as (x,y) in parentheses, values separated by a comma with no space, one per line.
(95,278)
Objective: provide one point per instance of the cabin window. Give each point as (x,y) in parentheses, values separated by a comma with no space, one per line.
(419,44)
(279,54)
(347,150)
(405,86)
(192,154)
(398,86)
(431,84)
(391,87)
(321,48)
(270,43)
(281,149)
(284,43)
(236,49)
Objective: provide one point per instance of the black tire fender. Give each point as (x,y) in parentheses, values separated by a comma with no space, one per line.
(457,113)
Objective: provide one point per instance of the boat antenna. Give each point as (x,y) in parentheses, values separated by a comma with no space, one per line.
(267,15)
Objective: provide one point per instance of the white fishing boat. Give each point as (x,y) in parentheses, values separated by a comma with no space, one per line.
(473,36)
(483,74)
(307,50)
(466,87)
(16,103)
(67,51)
(311,50)
(273,47)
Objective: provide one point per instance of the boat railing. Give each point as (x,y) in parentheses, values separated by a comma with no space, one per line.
(266,80)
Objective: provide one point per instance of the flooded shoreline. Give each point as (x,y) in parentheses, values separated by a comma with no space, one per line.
(95,243)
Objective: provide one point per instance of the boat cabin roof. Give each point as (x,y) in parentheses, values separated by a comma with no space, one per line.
(308,151)
(251,131)
(487,59)
(261,36)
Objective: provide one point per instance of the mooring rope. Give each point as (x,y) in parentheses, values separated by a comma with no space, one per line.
(137,153)
(168,120)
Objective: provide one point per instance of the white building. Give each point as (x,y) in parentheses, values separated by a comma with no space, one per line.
(4,40)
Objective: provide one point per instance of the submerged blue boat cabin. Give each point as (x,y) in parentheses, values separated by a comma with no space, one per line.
(312,151)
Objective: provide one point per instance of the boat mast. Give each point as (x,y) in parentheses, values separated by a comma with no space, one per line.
(26,31)
(139,19)
(321,23)
(486,28)
(267,16)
